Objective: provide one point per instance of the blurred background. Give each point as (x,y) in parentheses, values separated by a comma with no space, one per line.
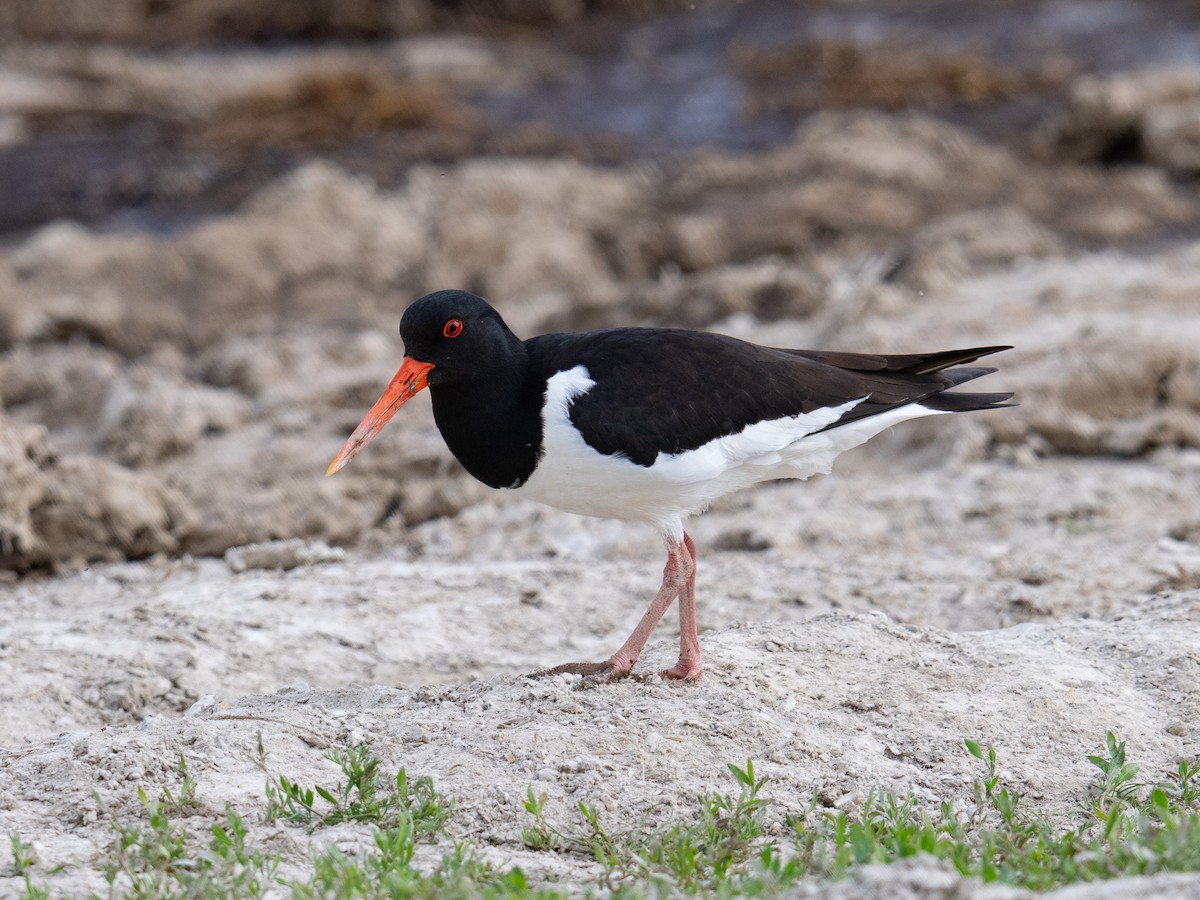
(213,212)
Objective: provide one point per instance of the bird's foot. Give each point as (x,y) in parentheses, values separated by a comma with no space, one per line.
(684,670)
(602,671)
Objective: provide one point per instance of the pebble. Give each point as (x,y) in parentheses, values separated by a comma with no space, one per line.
(284,554)
(205,706)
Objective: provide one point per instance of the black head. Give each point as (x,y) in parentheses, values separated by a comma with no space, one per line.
(451,339)
(459,334)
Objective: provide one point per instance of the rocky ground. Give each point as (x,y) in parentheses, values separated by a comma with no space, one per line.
(178,577)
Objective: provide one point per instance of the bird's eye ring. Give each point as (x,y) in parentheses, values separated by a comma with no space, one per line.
(453,328)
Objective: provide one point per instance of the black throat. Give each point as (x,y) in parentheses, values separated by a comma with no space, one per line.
(493,426)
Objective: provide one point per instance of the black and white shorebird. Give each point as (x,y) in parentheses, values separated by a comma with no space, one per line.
(649,424)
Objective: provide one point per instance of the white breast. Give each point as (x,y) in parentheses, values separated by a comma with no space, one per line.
(571,476)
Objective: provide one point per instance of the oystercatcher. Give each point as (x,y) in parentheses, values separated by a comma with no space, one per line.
(649,424)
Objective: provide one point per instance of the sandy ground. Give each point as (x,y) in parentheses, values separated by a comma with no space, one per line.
(813,672)
(177,576)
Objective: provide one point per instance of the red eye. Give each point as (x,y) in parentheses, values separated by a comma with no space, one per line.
(453,328)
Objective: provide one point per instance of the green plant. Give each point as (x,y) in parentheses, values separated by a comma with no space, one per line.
(22,853)
(23,860)
(387,871)
(186,800)
(1117,774)
(159,858)
(1122,827)
(707,852)
(150,857)
(714,851)
(364,796)
(1127,828)
(540,835)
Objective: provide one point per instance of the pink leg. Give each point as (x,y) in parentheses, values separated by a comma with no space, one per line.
(677,575)
(678,581)
(689,665)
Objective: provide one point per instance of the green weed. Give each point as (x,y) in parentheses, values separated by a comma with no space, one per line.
(364,796)
(22,853)
(159,858)
(713,851)
(541,835)
(387,871)
(23,861)
(1123,826)
(186,801)
(1126,828)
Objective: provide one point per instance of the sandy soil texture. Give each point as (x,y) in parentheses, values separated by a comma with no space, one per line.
(177,577)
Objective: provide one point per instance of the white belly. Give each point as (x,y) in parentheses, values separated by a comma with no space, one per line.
(572,476)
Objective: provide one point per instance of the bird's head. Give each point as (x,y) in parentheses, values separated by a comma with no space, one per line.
(450,338)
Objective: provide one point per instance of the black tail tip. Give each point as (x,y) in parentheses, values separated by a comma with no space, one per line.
(967,402)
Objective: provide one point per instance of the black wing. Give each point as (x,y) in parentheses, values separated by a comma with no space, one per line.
(668,391)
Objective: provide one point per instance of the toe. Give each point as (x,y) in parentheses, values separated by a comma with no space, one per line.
(682,671)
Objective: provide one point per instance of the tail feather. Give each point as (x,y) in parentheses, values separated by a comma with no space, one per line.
(965,374)
(966,402)
(899,363)
(893,381)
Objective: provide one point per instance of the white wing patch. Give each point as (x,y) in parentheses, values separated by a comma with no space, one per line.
(572,476)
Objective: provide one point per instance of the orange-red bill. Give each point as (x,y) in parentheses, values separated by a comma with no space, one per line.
(409,381)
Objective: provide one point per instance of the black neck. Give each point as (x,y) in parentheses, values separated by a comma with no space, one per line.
(494,426)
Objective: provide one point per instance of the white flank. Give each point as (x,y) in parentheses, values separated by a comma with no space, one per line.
(572,476)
